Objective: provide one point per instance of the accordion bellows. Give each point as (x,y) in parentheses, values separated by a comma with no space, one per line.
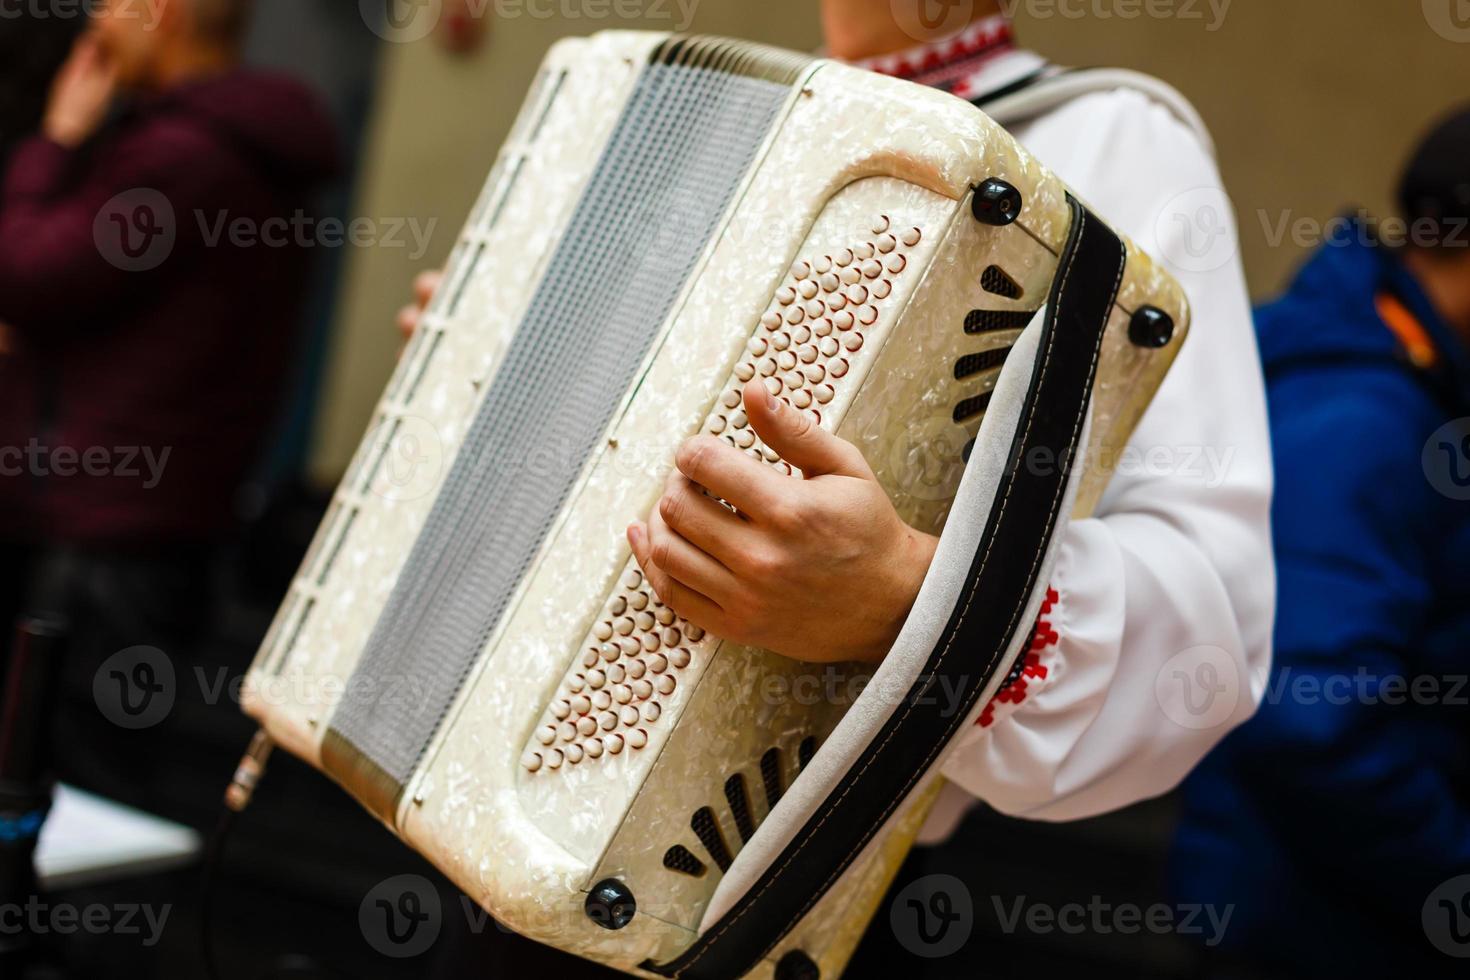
(468,647)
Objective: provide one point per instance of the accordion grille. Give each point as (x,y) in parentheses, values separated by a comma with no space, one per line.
(666,177)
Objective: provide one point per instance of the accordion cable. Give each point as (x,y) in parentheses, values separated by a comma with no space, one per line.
(237,797)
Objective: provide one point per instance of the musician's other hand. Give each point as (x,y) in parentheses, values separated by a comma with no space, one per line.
(820,569)
(424,286)
(81,93)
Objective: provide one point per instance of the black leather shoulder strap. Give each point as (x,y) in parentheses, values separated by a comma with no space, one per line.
(986,616)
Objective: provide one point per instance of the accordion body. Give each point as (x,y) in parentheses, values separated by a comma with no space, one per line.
(469,648)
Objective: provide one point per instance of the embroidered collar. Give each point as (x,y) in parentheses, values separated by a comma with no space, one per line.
(944,64)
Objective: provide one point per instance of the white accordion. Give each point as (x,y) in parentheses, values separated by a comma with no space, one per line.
(469,648)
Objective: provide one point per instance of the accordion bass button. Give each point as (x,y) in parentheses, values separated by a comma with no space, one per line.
(632,578)
(590,658)
(594,748)
(851,276)
(602,700)
(912,237)
(807,289)
(577,683)
(638,600)
(881,224)
(807,354)
(623,694)
(786,360)
(616,673)
(897,264)
(802,334)
(758,345)
(608,720)
(567,731)
(873,269)
(624,626)
(636,669)
(617,606)
(844,320)
(745,438)
(694,633)
(786,296)
(814,373)
(574,754)
(739,420)
(658,663)
(531,761)
(665,684)
(652,710)
(801,399)
(801,270)
(824,393)
(638,738)
(887,243)
(554,759)
(586,725)
(595,679)
(829,345)
(857,295)
(546,734)
(866,250)
(830,282)
(665,616)
(614,744)
(603,631)
(781,341)
(561,709)
(744,371)
(773,386)
(716,425)
(642,690)
(770,321)
(795,315)
(581,704)
(650,642)
(838,368)
(680,657)
(844,258)
(823,265)
(644,619)
(882,289)
(731,398)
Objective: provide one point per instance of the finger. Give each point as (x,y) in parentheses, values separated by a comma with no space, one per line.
(703,521)
(408,320)
(687,564)
(755,488)
(696,608)
(798,438)
(426,284)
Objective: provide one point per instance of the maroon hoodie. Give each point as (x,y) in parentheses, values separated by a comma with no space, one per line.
(151,285)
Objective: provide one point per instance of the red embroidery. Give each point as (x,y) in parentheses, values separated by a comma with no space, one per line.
(1028,667)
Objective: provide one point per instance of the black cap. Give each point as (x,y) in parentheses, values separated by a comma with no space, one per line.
(1436,184)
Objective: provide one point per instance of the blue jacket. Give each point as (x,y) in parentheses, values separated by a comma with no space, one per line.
(1330,818)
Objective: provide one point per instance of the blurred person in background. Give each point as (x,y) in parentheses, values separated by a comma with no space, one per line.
(150,277)
(1332,818)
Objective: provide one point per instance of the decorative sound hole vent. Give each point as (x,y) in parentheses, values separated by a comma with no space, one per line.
(771,777)
(678,858)
(994,280)
(992,321)
(707,828)
(808,340)
(973,364)
(805,751)
(739,806)
(971,407)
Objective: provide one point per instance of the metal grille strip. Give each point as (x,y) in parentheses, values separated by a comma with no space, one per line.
(674,161)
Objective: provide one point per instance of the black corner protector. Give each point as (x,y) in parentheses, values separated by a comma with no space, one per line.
(610,904)
(1151,327)
(996,203)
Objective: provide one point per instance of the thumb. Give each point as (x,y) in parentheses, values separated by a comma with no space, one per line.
(798,438)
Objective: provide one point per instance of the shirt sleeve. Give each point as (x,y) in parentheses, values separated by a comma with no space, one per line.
(1158,636)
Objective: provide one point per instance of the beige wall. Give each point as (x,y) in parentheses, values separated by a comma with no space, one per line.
(1313,103)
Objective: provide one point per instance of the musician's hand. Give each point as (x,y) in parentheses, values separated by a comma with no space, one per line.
(820,569)
(424,286)
(81,93)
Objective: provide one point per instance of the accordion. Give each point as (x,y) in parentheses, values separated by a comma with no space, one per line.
(469,648)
